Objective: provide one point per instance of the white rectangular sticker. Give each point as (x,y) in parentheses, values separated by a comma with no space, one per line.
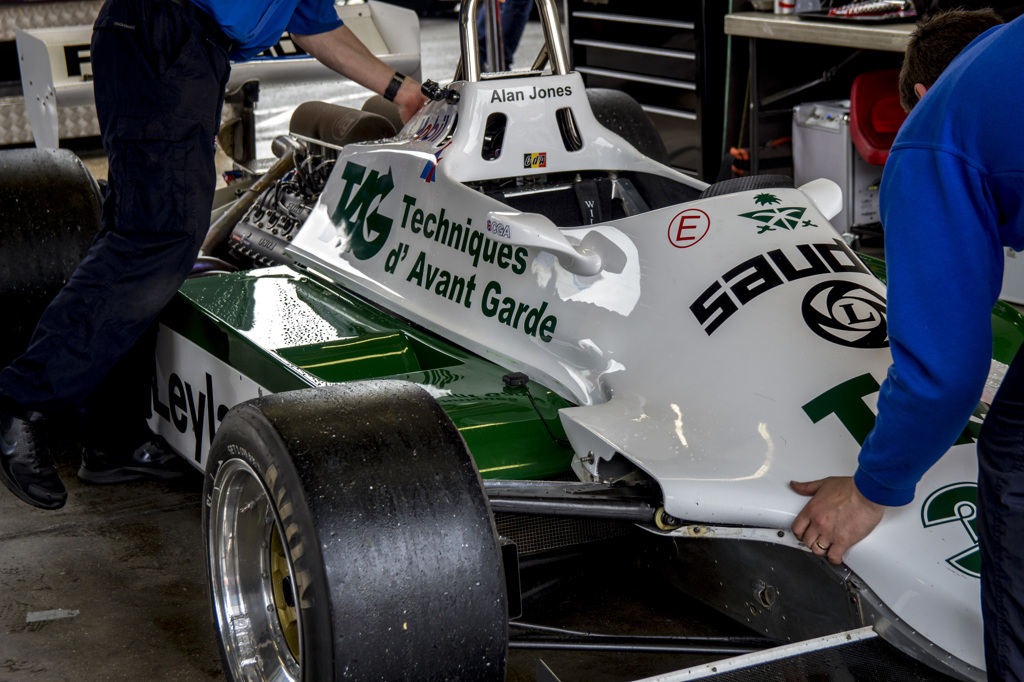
(192,394)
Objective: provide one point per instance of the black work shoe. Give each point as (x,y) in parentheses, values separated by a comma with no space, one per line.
(153,460)
(26,466)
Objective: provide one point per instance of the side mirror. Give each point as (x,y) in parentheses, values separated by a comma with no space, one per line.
(536,231)
(826,196)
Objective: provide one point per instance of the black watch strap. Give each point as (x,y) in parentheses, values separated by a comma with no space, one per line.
(393,87)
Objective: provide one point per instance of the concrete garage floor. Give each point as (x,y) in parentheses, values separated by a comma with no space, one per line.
(113,587)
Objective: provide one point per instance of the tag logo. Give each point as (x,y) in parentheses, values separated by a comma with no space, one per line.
(957,503)
(535,160)
(356,213)
(848,403)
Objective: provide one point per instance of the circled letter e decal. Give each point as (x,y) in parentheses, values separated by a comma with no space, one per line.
(688,228)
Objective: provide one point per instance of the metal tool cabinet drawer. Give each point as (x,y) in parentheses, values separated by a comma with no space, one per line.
(667,56)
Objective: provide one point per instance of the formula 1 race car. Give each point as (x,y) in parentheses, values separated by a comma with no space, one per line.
(406,349)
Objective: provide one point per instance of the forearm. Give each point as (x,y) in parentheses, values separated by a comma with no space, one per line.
(341,51)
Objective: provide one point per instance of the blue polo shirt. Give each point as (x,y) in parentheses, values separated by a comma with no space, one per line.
(952,198)
(255,25)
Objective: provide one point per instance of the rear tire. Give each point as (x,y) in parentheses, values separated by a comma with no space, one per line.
(747,183)
(348,537)
(49,216)
(623,115)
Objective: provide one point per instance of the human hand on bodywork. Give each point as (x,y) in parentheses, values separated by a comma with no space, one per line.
(836,518)
(409,99)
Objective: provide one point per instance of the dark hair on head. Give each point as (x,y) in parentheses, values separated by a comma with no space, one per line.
(935,43)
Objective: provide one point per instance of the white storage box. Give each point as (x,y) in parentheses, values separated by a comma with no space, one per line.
(822,149)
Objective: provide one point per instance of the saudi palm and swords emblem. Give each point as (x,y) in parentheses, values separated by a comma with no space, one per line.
(776,217)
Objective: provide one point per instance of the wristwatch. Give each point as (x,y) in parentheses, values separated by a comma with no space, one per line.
(393,86)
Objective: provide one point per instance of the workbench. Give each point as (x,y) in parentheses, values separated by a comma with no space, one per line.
(759,27)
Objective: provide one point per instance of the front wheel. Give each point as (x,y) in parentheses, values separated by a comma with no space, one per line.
(348,537)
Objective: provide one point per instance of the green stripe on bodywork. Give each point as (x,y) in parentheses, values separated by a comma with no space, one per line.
(288,331)
(1007,332)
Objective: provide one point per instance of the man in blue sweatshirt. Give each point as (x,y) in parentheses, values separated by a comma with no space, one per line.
(160,68)
(952,198)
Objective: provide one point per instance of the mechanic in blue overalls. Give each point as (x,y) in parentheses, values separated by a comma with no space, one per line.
(160,69)
(952,198)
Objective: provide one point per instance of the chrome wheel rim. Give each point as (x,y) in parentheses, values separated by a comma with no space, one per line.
(252,578)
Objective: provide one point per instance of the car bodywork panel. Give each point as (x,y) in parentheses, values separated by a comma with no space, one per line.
(276,330)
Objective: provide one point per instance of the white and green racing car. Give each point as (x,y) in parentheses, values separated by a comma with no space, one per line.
(512,307)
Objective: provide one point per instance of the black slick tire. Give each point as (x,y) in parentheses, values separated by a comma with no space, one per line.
(387,563)
(49,215)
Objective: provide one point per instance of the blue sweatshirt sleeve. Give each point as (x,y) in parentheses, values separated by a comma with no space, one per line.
(944,270)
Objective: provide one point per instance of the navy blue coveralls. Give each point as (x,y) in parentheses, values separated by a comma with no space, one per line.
(1001,526)
(160,69)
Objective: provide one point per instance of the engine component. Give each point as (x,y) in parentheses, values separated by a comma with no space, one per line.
(260,238)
